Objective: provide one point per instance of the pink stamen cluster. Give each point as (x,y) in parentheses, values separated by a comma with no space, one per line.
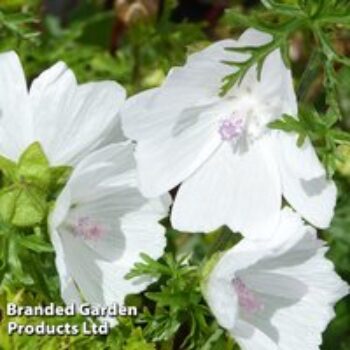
(231,128)
(88,229)
(246,298)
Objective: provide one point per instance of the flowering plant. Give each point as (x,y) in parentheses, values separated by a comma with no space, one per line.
(214,200)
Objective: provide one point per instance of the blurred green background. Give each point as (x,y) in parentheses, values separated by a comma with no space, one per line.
(137,42)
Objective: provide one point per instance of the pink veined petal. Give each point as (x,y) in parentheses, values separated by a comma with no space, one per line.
(298,290)
(291,284)
(128,224)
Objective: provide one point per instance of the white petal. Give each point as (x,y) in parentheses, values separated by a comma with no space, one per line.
(137,121)
(169,123)
(71,120)
(251,338)
(219,290)
(144,234)
(289,231)
(240,190)
(15,116)
(185,88)
(302,323)
(222,299)
(102,281)
(291,278)
(304,181)
(275,86)
(95,116)
(297,286)
(103,188)
(110,167)
(253,37)
(193,82)
(50,93)
(165,160)
(69,292)
(93,278)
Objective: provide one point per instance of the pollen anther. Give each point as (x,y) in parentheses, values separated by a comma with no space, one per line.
(231,128)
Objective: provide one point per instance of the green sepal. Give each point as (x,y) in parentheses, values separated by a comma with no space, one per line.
(59,176)
(30,207)
(24,202)
(8,197)
(8,167)
(34,167)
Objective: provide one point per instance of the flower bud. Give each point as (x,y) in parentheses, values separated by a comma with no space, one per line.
(131,11)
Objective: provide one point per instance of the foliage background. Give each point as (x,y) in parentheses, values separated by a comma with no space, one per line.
(136,43)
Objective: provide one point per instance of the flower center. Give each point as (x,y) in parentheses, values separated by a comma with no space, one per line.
(88,229)
(231,128)
(246,298)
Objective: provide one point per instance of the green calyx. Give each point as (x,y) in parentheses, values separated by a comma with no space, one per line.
(343,161)
(29,186)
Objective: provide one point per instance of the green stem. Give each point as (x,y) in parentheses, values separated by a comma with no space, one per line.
(213,339)
(309,75)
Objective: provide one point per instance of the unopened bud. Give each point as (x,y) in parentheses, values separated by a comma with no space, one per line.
(131,11)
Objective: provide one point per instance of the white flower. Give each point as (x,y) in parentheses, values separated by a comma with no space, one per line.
(100,225)
(277,295)
(67,119)
(232,167)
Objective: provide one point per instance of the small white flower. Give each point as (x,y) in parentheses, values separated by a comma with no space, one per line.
(278,295)
(100,225)
(233,169)
(67,119)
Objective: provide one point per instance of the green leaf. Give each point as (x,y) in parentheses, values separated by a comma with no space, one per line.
(340,135)
(35,243)
(16,263)
(257,56)
(177,301)
(30,209)
(285,9)
(149,267)
(287,124)
(301,139)
(136,341)
(34,167)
